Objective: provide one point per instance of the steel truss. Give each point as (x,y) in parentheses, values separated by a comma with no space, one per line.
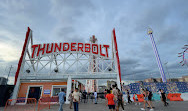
(70,65)
(67,64)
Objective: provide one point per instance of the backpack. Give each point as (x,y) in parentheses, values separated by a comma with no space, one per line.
(120,95)
(150,94)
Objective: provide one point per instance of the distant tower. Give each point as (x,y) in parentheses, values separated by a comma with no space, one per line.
(150,33)
(92,85)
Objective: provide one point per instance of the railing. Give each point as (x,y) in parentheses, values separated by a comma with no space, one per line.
(45,102)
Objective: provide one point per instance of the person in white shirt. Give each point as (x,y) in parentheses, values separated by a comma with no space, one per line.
(95,94)
(76,99)
(115,93)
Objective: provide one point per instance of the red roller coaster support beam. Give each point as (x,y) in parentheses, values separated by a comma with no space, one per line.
(21,58)
(117,55)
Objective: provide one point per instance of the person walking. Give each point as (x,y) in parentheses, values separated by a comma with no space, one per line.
(120,100)
(128,97)
(150,99)
(163,97)
(159,92)
(87,97)
(145,94)
(115,93)
(81,96)
(84,94)
(105,92)
(91,96)
(61,96)
(95,95)
(110,101)
(76,99)
(71,100)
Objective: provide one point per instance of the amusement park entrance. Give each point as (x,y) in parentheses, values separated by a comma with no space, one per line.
(44,69)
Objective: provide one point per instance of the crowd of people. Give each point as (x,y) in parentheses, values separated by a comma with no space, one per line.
(114,98)
(148,98)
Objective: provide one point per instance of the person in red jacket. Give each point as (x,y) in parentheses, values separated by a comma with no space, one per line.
(110,101)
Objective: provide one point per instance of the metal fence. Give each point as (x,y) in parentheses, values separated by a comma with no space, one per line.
(21,104)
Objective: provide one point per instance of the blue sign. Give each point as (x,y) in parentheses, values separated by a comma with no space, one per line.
(47,91)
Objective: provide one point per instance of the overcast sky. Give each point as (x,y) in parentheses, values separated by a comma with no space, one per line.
(77,20)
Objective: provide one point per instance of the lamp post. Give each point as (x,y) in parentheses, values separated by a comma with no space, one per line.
(167,70)
(9,73)
(150,33)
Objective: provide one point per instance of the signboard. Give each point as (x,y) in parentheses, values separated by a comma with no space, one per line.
(39,50)
(47,91)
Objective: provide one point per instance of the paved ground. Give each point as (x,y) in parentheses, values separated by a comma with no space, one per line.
(174,106)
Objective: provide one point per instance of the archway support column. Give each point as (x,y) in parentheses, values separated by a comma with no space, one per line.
(69,84)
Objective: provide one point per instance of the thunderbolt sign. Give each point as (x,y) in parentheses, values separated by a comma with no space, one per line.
(39,50)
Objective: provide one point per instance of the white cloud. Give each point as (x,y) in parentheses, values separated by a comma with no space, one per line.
(8,53)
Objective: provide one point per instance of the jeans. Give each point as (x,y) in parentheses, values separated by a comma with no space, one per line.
(61,106)
(95,99)
(75,106)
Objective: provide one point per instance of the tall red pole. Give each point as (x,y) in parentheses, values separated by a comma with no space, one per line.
(22,54)
(117,55)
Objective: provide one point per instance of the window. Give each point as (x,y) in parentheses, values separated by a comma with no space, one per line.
(57,89)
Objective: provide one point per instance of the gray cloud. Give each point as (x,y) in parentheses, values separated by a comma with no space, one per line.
(128,61)
(68,20)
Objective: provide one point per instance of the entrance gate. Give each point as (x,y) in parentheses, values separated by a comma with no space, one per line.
(57,61)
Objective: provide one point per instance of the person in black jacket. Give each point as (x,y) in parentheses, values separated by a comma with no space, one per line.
(128,97)
(163,97)
(84,94)
(150,98)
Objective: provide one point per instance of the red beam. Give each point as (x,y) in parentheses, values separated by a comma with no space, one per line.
(117,55)
(21,58)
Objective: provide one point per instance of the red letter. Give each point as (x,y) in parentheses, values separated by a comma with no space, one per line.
(33,53)
(95,48)
(51,48)
(101,51)
(41,49)
(73,47)
(80,47)
(87,47)
(65,49)
(56,46)
(106,46)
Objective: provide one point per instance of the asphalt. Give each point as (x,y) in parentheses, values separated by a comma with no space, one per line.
(90,106)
